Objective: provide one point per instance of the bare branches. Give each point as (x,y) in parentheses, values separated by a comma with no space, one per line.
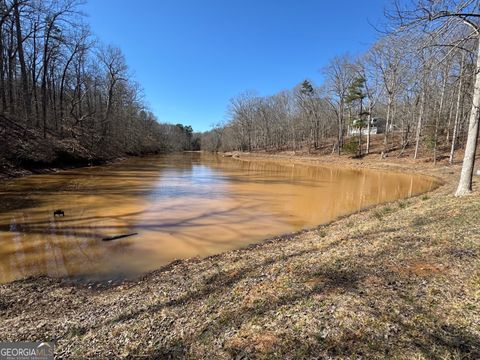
(57,82)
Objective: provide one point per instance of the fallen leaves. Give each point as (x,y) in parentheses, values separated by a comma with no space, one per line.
(359,288)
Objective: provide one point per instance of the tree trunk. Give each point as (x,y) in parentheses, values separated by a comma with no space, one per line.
(44,77)
(34,75)
(449,122)
(457,112)
(419,123)
(3,96)
(369,120)
(360,141)
(23,69)
(340,128)
(437,119)
(11,71)
(387,124)
(465,183)
(62,84)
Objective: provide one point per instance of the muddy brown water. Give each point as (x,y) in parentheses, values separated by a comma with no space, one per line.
(181,206)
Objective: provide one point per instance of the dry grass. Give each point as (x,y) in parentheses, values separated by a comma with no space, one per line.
(397,281)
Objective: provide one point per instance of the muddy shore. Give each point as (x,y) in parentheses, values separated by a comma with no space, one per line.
(399,280)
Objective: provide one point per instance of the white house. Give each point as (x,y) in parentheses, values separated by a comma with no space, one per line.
(377,126)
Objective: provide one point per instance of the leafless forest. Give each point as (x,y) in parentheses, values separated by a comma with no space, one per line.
(65,97)
(363,182)
(420,77)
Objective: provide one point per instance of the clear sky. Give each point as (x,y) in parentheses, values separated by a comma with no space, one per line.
(192,56)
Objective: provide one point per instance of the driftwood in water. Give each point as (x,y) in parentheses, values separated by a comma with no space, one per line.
(115,237)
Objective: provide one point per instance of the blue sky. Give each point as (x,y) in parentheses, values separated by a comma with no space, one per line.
(192,56)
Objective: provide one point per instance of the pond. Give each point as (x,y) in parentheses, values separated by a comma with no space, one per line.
(179,206)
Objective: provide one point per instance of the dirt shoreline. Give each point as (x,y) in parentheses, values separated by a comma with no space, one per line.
(367,163)
(9,172)
(397,280)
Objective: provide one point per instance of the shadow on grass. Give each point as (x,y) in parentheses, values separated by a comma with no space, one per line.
(432,336)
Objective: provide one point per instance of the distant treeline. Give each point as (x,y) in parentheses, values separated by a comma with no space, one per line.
(422,77)
(422,93)
(66,97)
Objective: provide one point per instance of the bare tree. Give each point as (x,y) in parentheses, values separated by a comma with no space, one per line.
(440,19)
(51,71)
(340,74)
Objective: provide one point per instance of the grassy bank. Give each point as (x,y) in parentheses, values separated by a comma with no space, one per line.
(400,280)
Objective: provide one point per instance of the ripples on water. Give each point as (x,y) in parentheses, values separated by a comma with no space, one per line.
(180,205)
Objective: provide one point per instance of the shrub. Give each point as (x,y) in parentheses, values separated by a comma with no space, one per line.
(351,147)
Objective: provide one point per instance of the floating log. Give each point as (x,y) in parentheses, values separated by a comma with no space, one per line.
(115,237)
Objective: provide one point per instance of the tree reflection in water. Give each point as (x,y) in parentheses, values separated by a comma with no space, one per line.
(181,206)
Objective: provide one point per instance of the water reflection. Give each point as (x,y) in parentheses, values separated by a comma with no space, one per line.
(180,206)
